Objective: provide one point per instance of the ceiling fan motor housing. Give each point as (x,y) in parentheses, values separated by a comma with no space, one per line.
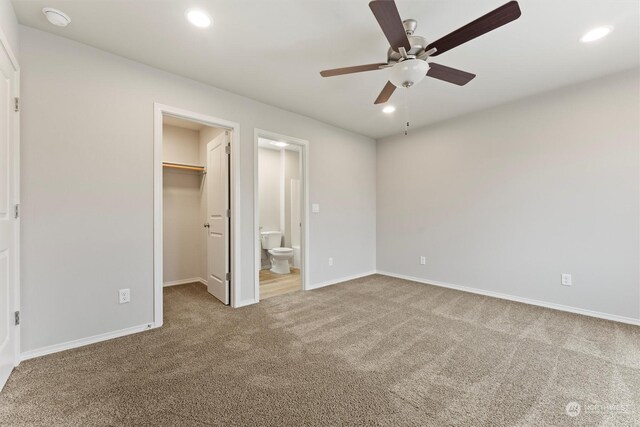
(418,46)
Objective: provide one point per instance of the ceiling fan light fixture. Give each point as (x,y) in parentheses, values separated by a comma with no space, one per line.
(409,72)
(389,109)
(596,34)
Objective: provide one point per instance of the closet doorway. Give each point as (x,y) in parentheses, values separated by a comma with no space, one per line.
(193,222)
(281,195)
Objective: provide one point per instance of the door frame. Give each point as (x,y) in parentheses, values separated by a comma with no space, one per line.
(160,110)
(303,144)
(14,188)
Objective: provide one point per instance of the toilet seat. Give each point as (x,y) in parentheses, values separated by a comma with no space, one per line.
(281,250)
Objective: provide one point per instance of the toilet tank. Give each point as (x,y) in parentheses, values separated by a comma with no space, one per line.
(270,239)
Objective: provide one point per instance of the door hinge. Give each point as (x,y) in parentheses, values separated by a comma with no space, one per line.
(17,318)
(16,104)
(227,148)
(16,211)
(228,213)
(228,276)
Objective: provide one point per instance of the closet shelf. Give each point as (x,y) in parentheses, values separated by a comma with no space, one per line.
(184,167)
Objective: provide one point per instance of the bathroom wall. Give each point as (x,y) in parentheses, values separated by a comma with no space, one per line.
(182,251)
(269,194)
(291,171)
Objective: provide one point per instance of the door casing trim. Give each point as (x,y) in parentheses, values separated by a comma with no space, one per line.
(14,191)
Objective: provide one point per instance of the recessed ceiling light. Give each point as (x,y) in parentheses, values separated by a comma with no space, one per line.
(389,109)
(279,143)
(198,18)
(56,17)
(596,34)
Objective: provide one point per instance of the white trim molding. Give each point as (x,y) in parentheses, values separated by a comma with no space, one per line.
(184,282)
(340,280)
(247,302)
(56,348)
(13,126)
(553,306)
(160,110)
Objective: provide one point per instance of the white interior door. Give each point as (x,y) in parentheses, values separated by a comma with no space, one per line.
(218,217)
(9,228)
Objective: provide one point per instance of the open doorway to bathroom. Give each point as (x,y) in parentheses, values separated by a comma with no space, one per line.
(280,215)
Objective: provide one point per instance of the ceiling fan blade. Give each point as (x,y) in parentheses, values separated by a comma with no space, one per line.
(388,18)
(386,93)
(503,15)
(448,74)
(351,70)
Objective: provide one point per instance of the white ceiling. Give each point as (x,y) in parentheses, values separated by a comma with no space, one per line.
(273,50)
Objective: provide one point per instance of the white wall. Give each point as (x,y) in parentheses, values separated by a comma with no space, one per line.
(9,26)
(508,199)
(87,187)
(182,192)
(180,145)
(291,170)
(269,203)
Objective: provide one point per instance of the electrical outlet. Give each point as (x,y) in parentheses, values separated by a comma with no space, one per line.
(423,260)
(565,280)
(315,208)
(330,261)
(124,296)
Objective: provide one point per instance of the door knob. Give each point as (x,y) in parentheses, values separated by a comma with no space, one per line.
(206,225)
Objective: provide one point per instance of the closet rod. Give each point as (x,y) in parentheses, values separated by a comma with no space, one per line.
(185,167)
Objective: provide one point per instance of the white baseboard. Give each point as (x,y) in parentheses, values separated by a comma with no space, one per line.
(340,280)
(545,304)
(246,303)
(184,282)
(83,341)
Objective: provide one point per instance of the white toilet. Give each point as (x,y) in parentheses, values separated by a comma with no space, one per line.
(280,257)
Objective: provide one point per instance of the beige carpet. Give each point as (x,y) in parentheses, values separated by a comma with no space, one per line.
(373,351)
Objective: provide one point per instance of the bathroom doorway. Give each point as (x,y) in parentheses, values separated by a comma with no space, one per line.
(280,215)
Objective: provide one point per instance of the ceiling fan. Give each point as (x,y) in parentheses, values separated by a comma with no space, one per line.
(408,54)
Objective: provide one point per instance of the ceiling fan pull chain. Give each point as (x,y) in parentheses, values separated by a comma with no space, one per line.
(406,112)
